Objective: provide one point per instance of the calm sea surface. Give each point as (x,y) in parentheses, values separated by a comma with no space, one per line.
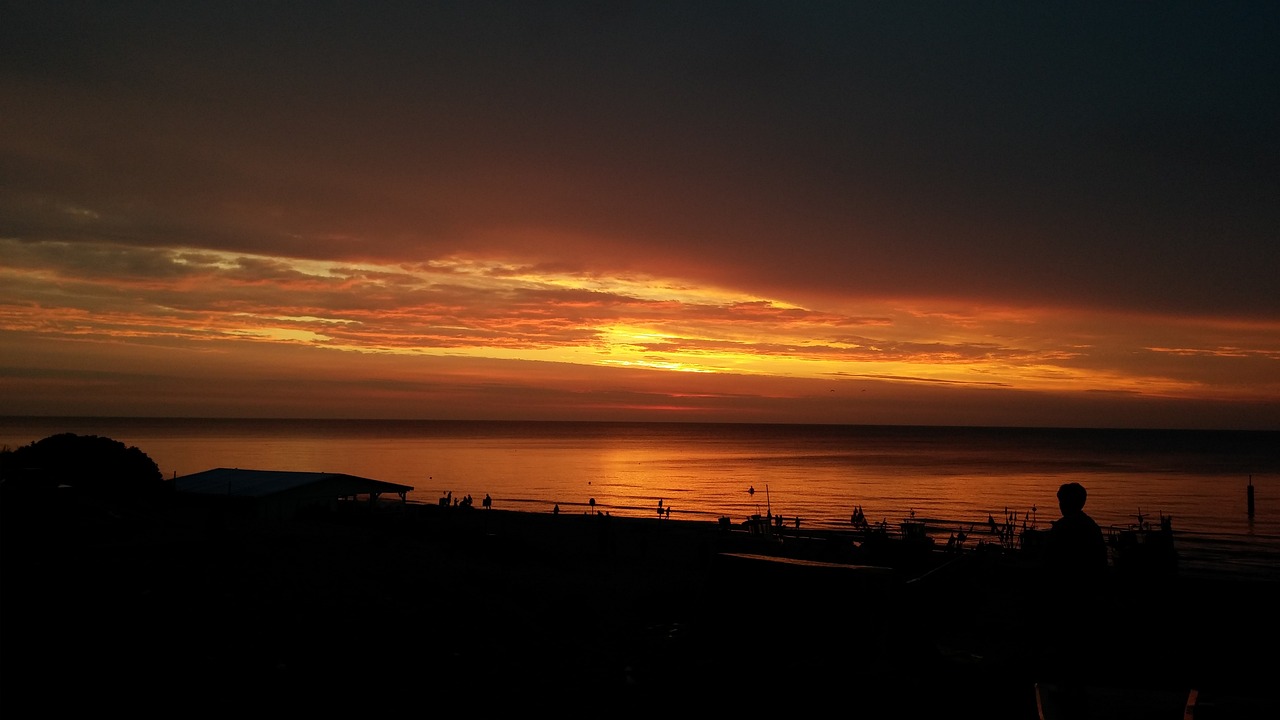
(951,477)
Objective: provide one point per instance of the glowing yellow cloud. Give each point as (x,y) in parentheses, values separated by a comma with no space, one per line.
(485,308)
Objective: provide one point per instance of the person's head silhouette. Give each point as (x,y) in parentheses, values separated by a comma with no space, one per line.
(1071,497)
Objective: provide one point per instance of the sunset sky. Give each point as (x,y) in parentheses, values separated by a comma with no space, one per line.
(995,213)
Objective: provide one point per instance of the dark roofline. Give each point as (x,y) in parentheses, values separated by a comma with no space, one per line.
(235,482)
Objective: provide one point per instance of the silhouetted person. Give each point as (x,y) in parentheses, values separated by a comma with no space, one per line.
(1075,565)
(858,519)
(556,510)
(488,501)
(1076,553)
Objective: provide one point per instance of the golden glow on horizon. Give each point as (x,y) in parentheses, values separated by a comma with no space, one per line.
(487,309)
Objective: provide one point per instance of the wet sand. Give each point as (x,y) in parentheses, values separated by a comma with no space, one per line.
(417,607)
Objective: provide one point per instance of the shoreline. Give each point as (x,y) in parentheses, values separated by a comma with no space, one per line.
(615,608)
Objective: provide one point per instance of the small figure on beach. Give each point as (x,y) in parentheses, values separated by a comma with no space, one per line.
(858,519)
(668,512)
(797,522)
(751,490)
(556,510)
(659,507)
(488,501)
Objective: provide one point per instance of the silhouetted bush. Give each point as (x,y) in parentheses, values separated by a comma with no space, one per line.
(92,466)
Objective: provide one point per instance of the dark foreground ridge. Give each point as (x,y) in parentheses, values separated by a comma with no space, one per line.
(406,608)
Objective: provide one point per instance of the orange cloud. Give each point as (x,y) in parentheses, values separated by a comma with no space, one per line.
(509,315)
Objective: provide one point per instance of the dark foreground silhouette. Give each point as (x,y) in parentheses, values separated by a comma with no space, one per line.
(409,607)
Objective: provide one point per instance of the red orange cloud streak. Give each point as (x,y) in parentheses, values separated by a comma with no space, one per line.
(126,330)
(804,212)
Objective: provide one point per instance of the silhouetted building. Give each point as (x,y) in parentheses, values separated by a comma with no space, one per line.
(281,494)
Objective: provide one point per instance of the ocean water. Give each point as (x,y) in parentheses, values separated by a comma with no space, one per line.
(954,478)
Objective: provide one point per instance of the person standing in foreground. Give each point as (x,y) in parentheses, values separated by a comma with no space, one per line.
(1075,564)
(1076,554)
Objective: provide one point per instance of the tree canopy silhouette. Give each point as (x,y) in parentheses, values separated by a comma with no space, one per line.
(94,466)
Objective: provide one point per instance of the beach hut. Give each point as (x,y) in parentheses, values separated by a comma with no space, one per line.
(281,494)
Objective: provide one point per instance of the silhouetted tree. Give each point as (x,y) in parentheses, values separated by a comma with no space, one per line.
(93,466)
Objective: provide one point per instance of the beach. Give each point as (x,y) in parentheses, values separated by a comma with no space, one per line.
(411,604)
(953,478)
